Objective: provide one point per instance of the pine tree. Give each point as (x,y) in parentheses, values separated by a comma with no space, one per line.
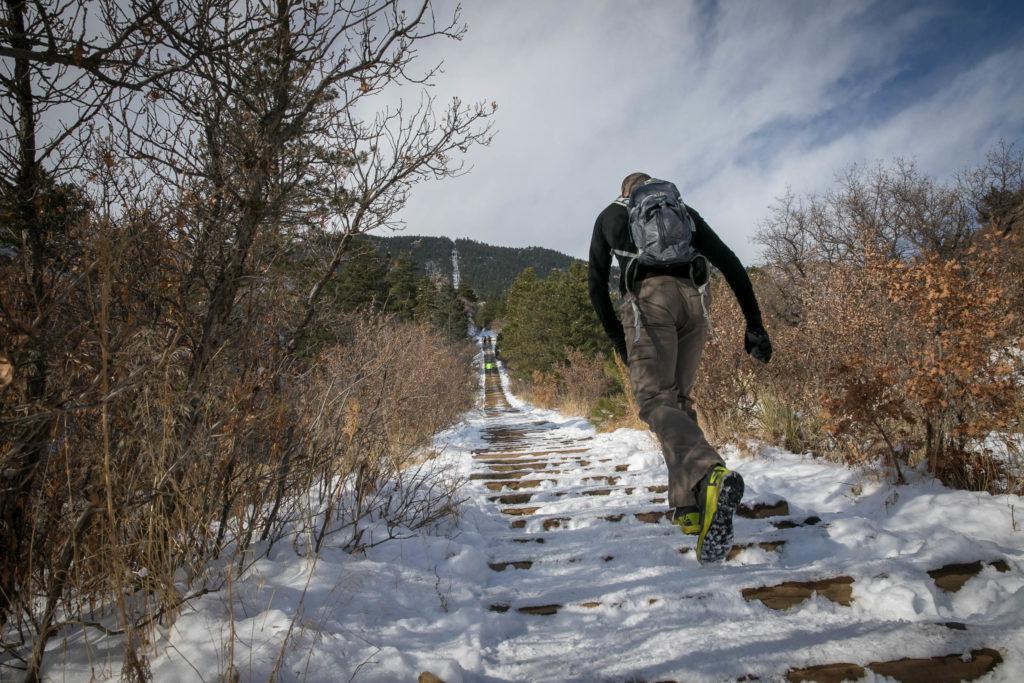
(545,317)
(401,287)
(426,298)
(362,281)
(449,314)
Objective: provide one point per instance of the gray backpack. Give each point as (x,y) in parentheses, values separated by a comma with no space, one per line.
(662,231)
(661,226)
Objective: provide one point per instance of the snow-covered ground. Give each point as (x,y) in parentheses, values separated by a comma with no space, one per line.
(599,587)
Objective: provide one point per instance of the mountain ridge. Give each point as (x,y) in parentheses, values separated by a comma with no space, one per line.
(488,269)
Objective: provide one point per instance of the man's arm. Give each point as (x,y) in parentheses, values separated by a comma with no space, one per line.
(755,340)
(710,245)
(597,285)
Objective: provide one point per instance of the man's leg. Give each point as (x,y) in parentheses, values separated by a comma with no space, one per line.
(692,339)
(691,335)
(652,372)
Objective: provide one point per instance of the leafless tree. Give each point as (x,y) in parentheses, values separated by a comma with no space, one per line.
(164,165)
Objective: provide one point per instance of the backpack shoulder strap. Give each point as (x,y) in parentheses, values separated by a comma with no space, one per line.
(624,203)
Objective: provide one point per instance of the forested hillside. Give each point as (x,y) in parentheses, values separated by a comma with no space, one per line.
(488,270)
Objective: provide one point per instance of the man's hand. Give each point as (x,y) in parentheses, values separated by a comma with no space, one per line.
(757,343)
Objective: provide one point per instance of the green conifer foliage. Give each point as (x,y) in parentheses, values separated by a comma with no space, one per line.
(449,313)
(545,317)
(401,287)
(488,311)
(362,280)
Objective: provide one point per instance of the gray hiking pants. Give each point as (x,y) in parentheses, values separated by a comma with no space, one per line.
(662,369)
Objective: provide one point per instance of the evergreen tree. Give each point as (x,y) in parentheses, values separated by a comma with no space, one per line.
(489,311)
(449,313)
(544,317)
(466,293)
(438,304)
(426,297)
(401,287)
(362,280)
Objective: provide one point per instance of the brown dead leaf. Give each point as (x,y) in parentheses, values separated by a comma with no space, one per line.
(6,371)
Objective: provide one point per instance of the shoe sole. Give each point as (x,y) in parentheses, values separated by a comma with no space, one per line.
(716,540)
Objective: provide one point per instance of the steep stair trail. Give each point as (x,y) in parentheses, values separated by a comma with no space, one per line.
(590,581)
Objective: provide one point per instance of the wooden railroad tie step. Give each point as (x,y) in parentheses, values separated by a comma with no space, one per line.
(652,517)
(518,466)
(526,454)
(512,498)
(514,485)
(540,610)
(952,577)
(610,481)
(792,524)
(769,546)
(520,512)
(838,589)
(555,523)
(944,669)
(499,476)
(763,510)
(502,566)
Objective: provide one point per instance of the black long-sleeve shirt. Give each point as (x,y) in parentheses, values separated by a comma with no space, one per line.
(611,231)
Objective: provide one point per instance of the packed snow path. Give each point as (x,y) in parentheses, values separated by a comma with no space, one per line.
(561,566)
(828,582)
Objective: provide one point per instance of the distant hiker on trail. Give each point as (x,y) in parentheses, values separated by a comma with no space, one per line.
(663,248)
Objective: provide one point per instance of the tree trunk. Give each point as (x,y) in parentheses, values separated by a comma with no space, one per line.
(30,444)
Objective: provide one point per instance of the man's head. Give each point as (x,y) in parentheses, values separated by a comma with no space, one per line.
(631,181)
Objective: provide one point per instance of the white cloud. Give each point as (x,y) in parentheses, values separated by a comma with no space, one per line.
(727,101)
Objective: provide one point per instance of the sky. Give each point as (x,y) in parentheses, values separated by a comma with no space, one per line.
(736,102)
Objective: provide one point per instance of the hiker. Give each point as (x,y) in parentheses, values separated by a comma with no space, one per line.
(661,337)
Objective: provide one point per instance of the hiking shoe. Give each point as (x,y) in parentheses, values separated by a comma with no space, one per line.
(718,495)
(687,519)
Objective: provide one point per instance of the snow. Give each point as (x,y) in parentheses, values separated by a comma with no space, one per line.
(423,603)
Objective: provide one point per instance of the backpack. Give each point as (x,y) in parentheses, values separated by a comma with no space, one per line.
(660,225)
(662,231)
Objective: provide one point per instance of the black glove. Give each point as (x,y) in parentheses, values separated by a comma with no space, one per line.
(757,343)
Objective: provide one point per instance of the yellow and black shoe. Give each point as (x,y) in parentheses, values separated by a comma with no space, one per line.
(718,496)
(687,519)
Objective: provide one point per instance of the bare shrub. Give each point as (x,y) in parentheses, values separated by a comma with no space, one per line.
(893,304)
(582,384)
(167,239)
(368,409)
(583,378)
